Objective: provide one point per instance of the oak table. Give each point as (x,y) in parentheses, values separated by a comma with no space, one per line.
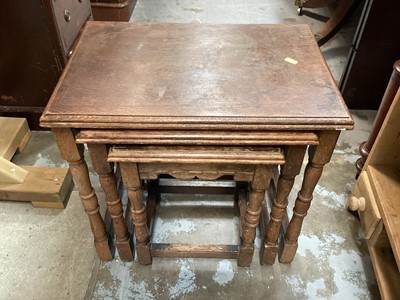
(197,85)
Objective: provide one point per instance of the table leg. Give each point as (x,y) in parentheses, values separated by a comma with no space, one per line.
(259,184)
(98,155)
(336,21)
(131,178)
(73,153)
(294,156)
(318,157)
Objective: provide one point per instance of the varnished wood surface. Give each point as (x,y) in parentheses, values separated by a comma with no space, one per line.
(288,173)
(199,154)
(73,153)
(191,137)
(259,184)
(318,156)
(151,75)
(131,179)
(108,181)
(194,250)
(188,89)
(205,171)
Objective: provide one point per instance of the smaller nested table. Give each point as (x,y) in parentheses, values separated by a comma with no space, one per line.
(197,85)
(249,164)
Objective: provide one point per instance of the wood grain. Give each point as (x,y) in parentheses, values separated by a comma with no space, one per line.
(197,154)
(11,173)
(73,153)
(192,137)
(194,251)
(98,155)
(318,157)
(202,82)
(41,185)
(289,171)
(386,270)
(130,176)
(189,95)
(259,184)
(15,134)
(386,188)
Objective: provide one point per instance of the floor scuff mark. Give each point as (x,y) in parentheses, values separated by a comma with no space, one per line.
(331,199)
(186,282)
(164,229)
(224,273)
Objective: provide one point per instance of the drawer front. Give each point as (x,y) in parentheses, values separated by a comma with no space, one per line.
(70,16)
(370,216)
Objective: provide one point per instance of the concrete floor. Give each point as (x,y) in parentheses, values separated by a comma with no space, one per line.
(49,254)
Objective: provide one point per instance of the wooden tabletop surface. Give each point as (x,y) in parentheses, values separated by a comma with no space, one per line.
(193,76)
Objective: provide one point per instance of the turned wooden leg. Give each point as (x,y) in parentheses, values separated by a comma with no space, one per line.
(73,153)
(294,159)
(336,21)
(318,157)
(98,155)
(131,178)
(310,4)
(259,184)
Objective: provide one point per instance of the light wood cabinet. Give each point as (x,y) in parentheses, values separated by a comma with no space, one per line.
(376,196)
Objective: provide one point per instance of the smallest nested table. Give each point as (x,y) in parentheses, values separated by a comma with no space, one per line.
(252,164)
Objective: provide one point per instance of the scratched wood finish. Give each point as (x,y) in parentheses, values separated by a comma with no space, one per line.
(98,156)
(318,157)
(74,155)
(197,85)
(198,76)
(190,137)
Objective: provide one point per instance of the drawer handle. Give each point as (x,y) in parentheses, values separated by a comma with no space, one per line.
(356,203)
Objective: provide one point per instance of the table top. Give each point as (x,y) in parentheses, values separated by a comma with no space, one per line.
(196,76)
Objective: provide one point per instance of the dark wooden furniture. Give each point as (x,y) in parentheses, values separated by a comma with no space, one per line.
(36,38)
(376,46)
(112,10)
(335,22)
(311,4)
(197,85)
(376,198)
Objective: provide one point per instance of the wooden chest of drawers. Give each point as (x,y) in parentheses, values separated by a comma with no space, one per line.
(36,38)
